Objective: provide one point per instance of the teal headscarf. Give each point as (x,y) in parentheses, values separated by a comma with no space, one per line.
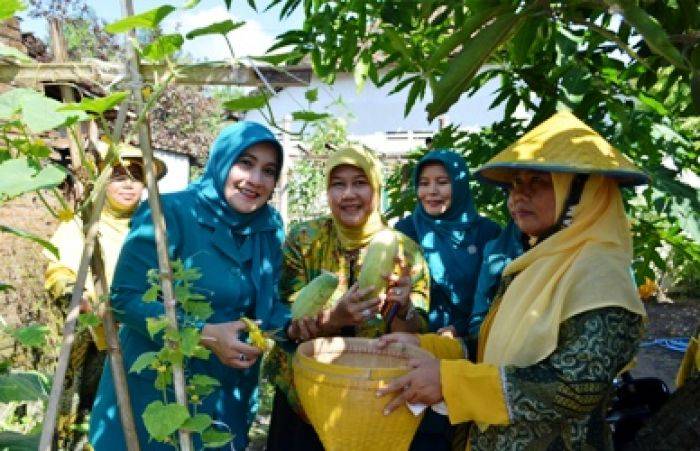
(497,254)
(448,240)
(252,234)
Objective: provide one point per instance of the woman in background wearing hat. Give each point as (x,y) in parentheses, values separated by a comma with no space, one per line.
(222,225)
(567,317)
(452,235)
(338,243)
(124,190)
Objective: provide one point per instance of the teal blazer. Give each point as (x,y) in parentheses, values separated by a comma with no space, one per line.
(230,280)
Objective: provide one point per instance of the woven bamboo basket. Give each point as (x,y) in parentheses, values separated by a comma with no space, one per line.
(337,379)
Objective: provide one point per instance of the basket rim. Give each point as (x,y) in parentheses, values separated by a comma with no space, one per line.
(357,344)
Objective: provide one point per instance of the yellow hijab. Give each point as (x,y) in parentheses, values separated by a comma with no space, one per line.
(582,267)
(363,158)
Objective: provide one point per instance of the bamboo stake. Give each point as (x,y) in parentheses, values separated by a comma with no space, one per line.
(121,387)
(158,222)
(49,423)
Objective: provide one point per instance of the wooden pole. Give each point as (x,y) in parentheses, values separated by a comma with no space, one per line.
(91,227)
(60,55)
(158,223)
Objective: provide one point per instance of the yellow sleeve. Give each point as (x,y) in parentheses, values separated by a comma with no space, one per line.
(441,347)
(473,392)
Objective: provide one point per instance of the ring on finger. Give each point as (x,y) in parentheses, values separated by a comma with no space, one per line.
(397,291)
(242,357)
(366,314)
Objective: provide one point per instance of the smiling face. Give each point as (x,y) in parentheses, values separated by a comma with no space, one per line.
(350,195)
(125,185)
(434,189)
(252,178)
(532,202)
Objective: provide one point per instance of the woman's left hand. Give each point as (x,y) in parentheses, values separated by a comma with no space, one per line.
(420,385)
(398,291)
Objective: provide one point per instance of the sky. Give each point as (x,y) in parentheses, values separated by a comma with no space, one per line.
(251,39)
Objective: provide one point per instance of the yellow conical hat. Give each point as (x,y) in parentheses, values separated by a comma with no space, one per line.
(562,143)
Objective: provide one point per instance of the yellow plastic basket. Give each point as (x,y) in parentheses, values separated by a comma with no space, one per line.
(337,379)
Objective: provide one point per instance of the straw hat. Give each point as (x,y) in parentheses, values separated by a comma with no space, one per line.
(129,154)
(562,143)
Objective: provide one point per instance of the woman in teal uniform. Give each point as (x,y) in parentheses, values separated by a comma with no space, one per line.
(223,225)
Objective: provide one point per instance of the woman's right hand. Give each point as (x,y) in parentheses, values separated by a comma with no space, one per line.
(222,339)
(351,309)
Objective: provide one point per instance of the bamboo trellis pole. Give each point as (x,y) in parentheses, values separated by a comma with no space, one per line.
(158,222)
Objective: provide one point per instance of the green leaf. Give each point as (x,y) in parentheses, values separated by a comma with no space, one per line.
(197,423)
(9,8)
(151,294)
(143,361)
(149,20)
(39,112)
(202,385)
(97,105)
(308,116)
(89,319)
(222,28)
(652,103)
(156,325)
(652,32)
(19,176)
(215,439)
(461,36)
(163,46)
(522,42)
(22,386)
(246,103)
(162,420)
(22,234)
(20,442)
(474,54)
(251,3)
(191,4)
(33,336)
(12,53)
(189,340)
(418,88)
(6,287)
(200,310)
(311,95)
(360,72)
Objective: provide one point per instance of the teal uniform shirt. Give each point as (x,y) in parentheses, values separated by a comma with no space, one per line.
(239,256)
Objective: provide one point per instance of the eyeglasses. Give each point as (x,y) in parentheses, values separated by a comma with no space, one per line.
(133,171)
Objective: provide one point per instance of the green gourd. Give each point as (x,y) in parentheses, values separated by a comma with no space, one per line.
(379,262)
(314,296)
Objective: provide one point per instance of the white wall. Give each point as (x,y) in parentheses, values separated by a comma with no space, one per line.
(178,174)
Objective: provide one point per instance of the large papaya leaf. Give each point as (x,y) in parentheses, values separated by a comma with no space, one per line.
(222,28)
(19,176)
(23,386)
(149,20)
(474,54)
(39,112)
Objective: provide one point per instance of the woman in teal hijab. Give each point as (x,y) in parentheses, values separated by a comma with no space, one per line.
(222,225)
(452,235)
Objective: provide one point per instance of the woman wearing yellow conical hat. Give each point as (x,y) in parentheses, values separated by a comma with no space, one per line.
(124,190)
(567,318)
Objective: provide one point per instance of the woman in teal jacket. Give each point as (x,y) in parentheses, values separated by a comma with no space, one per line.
(222,225)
